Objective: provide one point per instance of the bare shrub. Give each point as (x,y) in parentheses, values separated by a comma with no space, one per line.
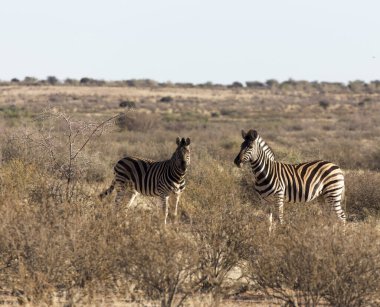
(222,226)
(13,112)
(354,264)
(138,122)
(66,160)
(363,194)
(162,261)
(312,260)
(349,154)
(46,249)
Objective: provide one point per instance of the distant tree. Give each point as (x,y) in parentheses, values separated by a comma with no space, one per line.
(207,84)
(288,85)
(90,81)
(374,86)
(70,81)
(236,84)
(166,84)
(272,83)
(254,84)
(141,83)
(184,85)
(333,87)
(52,80)
(30,80)
(15,80)
(302,85)
(85,80)
(357,86)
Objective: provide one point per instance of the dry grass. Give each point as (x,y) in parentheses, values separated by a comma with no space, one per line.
(60,245)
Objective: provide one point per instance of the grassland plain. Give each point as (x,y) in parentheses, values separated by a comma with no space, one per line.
(60,245)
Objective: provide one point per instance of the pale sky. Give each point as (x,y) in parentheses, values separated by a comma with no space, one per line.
(191,41)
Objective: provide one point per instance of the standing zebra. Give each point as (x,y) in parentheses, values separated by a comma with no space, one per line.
(291,182)
(152,178)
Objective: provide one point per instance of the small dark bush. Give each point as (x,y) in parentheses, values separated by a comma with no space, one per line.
(228,112)
(127,104)
(166,99)
(324,104)
(15,80)
(139,122)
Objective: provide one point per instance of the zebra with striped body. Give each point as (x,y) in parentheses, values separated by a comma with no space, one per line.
(291,182)
(152,178)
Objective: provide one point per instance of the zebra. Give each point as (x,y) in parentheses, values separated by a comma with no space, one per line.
(152,178)
(301,182)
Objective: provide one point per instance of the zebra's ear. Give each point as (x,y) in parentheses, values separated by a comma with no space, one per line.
(243,134)
(252,134)
(178,140)
(187,141)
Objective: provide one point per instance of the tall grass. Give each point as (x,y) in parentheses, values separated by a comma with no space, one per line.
(70,248)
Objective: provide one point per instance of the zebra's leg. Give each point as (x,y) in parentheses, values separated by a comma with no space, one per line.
(133,197)
(280,207)
(177,197)
(121,190)
(270,222)
(165,205)
(334,201)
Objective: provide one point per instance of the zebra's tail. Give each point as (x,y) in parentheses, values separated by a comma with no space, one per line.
(108,191)
(344,201)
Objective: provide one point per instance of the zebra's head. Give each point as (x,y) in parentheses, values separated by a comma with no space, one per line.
(182,153)
(248,149)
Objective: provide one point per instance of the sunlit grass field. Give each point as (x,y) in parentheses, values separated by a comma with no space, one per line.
(59,244)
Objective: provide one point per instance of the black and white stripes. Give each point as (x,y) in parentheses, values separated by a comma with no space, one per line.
(152,178)
(291,183)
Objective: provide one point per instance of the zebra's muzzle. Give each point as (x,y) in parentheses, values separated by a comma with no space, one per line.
(184,164)
(238,162)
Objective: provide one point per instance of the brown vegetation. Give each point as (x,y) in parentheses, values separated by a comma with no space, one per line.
(60,245)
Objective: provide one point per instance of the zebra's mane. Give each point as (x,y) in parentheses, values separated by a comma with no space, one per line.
(266,148)
(145,159)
